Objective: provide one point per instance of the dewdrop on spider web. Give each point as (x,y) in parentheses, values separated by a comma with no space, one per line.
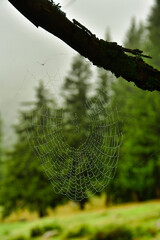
(79,172)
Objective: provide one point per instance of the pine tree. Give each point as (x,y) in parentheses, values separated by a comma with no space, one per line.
(140,155)
(136,158)
(135,35)
(154,34)
(76,89)
(25,184)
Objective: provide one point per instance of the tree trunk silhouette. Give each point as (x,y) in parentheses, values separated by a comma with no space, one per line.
(135,196)
(42,212)
(82,204)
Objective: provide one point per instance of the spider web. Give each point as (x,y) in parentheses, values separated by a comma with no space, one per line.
(77,173)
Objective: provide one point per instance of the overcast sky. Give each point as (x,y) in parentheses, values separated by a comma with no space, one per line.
(23,47)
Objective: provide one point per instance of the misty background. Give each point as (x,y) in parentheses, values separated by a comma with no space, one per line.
(29,54)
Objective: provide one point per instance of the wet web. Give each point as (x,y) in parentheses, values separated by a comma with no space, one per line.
(77,173)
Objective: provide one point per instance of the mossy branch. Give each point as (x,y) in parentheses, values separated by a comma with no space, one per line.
(101,53)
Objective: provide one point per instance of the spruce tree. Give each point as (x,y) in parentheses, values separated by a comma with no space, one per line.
(138,172)
(76,90)
(135,161)
(25,184)
(91,109)
(154,34)
(135,35)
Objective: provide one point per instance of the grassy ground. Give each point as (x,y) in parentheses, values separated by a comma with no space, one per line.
(142,221)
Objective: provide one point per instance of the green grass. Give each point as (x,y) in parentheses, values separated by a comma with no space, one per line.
(141,219)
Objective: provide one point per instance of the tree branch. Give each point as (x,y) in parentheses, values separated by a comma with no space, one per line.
(101,53)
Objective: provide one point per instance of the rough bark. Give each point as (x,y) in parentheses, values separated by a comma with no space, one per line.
(101,53)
